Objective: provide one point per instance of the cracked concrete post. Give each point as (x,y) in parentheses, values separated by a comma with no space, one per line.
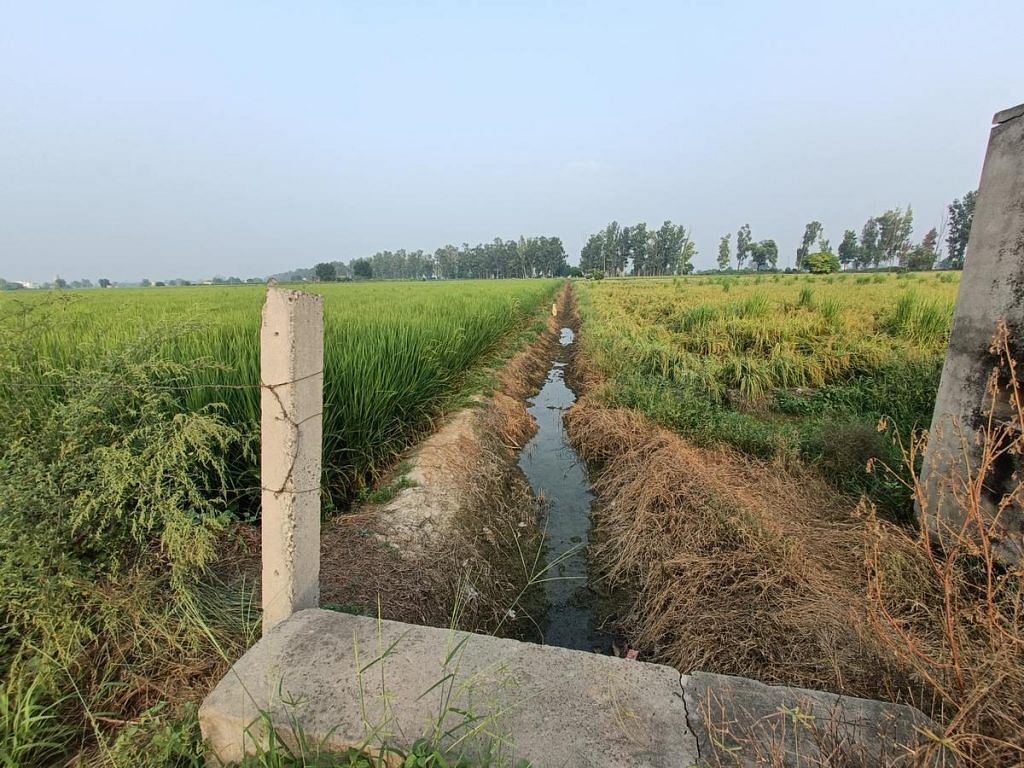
(991,290)
(291,431)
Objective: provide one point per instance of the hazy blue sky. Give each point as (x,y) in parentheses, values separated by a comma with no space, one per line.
(156,140)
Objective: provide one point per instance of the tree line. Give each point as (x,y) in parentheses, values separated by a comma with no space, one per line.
(886,240)
(760,254)
(615,250)
(524,258)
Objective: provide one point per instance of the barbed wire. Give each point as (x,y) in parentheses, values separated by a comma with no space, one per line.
(271,388)
(85,384)
(99,385)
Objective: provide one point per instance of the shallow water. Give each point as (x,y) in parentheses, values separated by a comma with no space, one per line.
(558,477)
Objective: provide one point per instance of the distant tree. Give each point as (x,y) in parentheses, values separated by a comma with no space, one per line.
(824,245)
(919,259)
(684,260)
(362,269)
(764,253)
(161,284)
(446,263)
(811,233)
(325,272)
(743,241)
(145,282)
(104,282)
(60,283)
(870,253)
(894,229)
(821,263)
(610,242)
(931,240)
(923,256)
(849,251)
(639,240)
(723,252)
(550,257)
(671,250)
(590,256)
(961,216)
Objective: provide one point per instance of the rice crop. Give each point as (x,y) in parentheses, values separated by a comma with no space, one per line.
(801,366)
(395,354)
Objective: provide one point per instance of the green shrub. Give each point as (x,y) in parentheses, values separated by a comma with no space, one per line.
(111,504)
(821,263)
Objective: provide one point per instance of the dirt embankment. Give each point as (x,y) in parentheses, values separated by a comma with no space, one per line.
(454,529)
(731,565)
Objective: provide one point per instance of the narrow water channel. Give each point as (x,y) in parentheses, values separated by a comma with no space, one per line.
(558,477)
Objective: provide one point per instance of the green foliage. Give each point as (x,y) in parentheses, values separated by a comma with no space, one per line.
(920,258)
(811,233)
(920,319)
(362,269)
(110,467)
(764,254)
(831,310)
(389,490)
(849,250)
(961,217)
(396,355)
(119,464)
(723,252)
(743,241)
(821,263)
(618,250)
(32,731)
(325,272)
(778,369)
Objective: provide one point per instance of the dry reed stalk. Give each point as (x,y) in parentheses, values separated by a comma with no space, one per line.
(952,612)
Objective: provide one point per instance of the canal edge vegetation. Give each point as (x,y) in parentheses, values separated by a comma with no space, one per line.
(821,589)
(98,648)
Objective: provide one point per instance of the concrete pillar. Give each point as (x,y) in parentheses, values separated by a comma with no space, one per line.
(991,290)
(291,431)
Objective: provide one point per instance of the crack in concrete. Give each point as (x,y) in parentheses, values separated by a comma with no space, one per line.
(686,715)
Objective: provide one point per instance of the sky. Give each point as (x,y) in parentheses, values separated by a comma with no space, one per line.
(160,140)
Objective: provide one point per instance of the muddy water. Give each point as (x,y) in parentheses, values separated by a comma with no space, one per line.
(558,477)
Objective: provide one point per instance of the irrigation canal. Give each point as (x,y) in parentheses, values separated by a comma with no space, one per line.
(558,477)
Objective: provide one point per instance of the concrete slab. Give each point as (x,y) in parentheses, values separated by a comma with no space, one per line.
(551,706)
(1006,115)
(745,723)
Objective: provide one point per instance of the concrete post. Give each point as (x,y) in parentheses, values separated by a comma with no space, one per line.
(291,431)
(991,290)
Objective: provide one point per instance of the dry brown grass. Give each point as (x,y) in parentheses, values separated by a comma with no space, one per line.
(761,570)
(476,572)
(949,610)
(738,567)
